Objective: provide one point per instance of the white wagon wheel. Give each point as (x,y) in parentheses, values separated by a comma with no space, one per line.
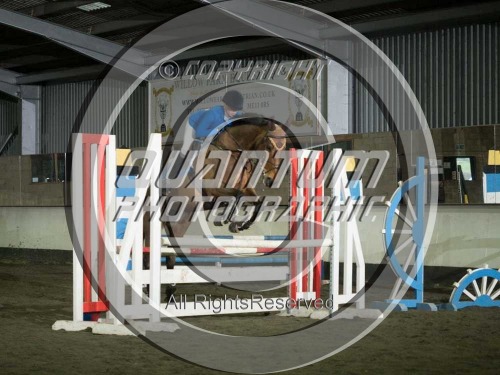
(479,287)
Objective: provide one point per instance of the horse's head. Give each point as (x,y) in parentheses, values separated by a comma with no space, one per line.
(273,141)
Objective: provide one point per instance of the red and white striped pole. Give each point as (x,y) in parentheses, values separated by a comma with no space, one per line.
(90,191)
(306,222)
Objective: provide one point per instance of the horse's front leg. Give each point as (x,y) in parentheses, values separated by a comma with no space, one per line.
(247,224)
(235,227)
(238,196)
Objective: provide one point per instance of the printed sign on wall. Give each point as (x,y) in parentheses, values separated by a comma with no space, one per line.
(288,92)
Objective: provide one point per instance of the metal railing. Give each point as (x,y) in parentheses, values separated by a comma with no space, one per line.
(9,141)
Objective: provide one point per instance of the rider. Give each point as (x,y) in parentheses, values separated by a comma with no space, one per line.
(204,121)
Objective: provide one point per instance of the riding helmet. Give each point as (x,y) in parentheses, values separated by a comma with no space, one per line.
(233,99)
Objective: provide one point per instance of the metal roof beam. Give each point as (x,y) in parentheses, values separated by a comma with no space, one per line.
(43,49)
(119,25)
(12,90)
(274,20)
(33,67)
(268,20)
(8,76)
(271,20)
(97,48)
(216,50)
(83,72)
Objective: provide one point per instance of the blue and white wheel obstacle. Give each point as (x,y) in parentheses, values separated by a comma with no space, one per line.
(403,236)
(478,288)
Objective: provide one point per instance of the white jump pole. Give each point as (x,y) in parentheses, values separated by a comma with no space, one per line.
(346,244)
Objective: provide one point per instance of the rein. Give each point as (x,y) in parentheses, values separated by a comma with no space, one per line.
(239,149)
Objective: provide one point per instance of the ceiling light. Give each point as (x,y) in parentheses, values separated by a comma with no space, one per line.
(93,6)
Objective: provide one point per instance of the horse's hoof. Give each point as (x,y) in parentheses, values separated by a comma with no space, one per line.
(170,262)
(218,223)
(234,228)
(245,226)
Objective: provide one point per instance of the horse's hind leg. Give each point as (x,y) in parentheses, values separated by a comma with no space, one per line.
(145,266)
(170,289)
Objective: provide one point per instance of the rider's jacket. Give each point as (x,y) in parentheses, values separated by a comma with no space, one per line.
(206,120)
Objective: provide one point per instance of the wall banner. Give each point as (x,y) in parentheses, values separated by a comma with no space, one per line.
(289,92)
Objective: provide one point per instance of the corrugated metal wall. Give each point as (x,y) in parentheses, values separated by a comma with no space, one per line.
(63,107)
(9,121)
(454,72)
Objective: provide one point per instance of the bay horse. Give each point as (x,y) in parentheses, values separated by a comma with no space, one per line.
(242,134)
